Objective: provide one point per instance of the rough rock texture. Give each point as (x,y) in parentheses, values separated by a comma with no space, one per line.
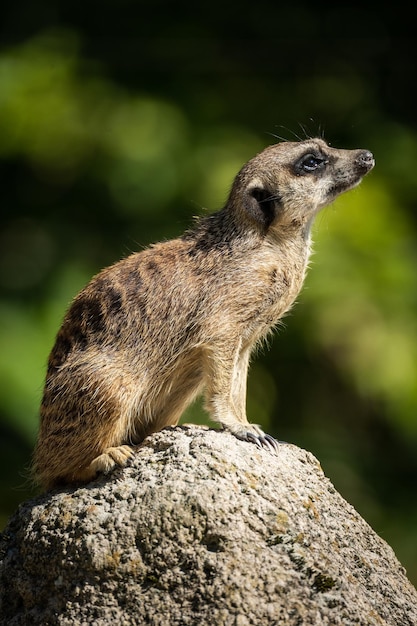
(201,529)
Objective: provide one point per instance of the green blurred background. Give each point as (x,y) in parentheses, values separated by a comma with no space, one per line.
(119,121)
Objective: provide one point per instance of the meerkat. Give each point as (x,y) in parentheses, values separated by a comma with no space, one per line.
(181,318)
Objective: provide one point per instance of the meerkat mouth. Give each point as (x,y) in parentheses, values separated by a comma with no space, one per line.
(339,188)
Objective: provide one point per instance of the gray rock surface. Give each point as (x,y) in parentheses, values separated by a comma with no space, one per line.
(199,529)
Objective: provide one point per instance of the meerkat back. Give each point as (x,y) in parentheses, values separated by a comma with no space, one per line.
(150,333)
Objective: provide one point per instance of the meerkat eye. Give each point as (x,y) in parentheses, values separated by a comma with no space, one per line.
(310,163)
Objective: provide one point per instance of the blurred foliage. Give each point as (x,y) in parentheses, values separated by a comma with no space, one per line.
(109,143)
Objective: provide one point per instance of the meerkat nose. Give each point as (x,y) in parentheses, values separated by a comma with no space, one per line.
(365,159)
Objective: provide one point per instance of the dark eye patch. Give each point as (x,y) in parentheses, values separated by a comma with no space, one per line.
(310,163)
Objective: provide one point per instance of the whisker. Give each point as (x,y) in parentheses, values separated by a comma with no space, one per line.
(276,136)
(273,197)
(305,129)
(289,130)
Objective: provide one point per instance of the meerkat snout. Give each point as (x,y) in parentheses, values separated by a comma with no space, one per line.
(182,318)
(366,160)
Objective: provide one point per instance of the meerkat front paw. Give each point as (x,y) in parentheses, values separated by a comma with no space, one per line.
(255,435)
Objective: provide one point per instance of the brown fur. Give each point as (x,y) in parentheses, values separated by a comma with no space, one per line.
(150,333)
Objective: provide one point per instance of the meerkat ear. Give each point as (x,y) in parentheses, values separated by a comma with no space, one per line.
(261,205)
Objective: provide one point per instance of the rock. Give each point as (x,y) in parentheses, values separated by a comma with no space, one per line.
(201,528)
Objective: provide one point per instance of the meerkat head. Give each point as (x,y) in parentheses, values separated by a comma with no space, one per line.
(288,183)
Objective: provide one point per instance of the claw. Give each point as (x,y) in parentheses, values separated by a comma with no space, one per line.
(262,441)
(273,442)
(253,439)
(267,444)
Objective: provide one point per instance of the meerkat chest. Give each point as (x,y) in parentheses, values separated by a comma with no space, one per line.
(276,282)
(278,290)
